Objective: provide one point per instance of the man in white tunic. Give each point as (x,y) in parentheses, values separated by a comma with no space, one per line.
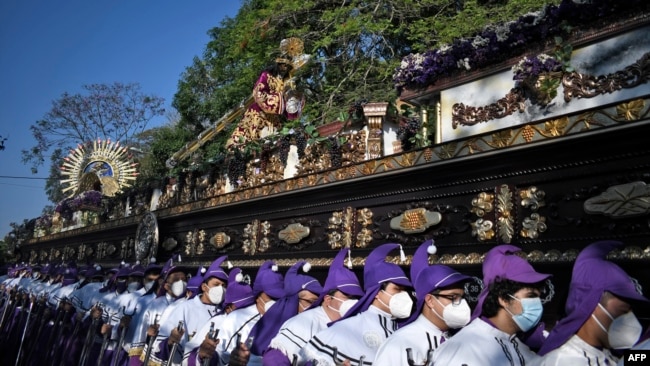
(357,336)
(267,288)
(147,322)
(599,312)
(300,293)
(440,306)
(239,294)
(191,314)
(340,292)
(508,305)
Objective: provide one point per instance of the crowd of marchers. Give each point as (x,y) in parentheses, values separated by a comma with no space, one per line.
(68,315)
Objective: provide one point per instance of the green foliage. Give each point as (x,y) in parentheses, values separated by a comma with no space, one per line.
(355,48)
(117,111)
(165,141)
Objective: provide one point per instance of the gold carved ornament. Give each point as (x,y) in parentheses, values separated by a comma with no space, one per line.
(344,232)
(415,221)
(483,204)
(533,225)
(256,237)
(293,233)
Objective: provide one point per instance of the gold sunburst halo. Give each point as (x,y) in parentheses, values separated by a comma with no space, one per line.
(99,162)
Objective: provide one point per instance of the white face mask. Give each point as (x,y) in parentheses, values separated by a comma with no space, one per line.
(148,286)
(268,304)
(400,304)
(134,286)
(35,275)
(179,288)
(623,332)
(455,316)
(346,305)
(215,294)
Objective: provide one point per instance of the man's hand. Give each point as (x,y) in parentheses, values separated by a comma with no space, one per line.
(175,336)
(208,348)
(125,321)
(240,356)
(96,312)
(152,331)
(106,329)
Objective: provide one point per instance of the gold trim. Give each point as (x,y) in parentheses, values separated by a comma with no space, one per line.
(473,258)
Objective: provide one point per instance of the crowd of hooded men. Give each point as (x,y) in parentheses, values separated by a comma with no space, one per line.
(154,315)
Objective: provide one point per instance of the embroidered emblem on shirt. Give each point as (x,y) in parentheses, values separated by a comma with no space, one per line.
(372,339)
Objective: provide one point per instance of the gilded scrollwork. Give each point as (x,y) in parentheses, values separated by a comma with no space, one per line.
(146,238)
(483,229)
(483,204)
(505,220)
(532,198)
(577,85)
(256,237)
(624,200)
(468,115)
(344,232)
(195,242)
(532,226)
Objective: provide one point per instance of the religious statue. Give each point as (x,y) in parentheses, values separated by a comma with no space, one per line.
(275,97)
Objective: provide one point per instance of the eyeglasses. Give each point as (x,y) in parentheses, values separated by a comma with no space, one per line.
(309,302)
(454,298)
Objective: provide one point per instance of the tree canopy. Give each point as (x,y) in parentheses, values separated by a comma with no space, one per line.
(117,111)
(355,46)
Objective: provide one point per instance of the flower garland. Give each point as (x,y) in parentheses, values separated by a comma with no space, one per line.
(44,221)
(533,67)
(88,200)
(500,42)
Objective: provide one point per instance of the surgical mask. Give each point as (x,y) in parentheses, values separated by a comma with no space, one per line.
(179,288)
(623,332)
(455,316)
(35,275)
(148,286)
(346,305)
(531,313)
(134,286)
(268,304)
(215,294)
(400,304)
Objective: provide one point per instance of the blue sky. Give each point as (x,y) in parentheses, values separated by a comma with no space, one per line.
(49,47)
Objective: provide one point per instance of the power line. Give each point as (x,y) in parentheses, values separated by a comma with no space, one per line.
(19,185)
(15,177)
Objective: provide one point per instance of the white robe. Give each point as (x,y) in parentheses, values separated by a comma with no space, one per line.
(576,352)
(420,336)
(360,335)
(193,313)
(239,321)
(298,330)
(141,324)
(479,343)
(199,337)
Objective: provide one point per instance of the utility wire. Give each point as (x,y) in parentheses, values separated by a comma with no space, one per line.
(15,177)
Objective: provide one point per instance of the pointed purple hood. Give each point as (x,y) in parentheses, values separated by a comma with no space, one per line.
(592,275)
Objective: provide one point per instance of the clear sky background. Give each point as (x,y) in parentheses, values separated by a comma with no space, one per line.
(48,47)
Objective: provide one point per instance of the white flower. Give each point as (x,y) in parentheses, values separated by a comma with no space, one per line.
(463,64)
(479,42)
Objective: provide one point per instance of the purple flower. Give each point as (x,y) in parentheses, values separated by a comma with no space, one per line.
(497,43)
